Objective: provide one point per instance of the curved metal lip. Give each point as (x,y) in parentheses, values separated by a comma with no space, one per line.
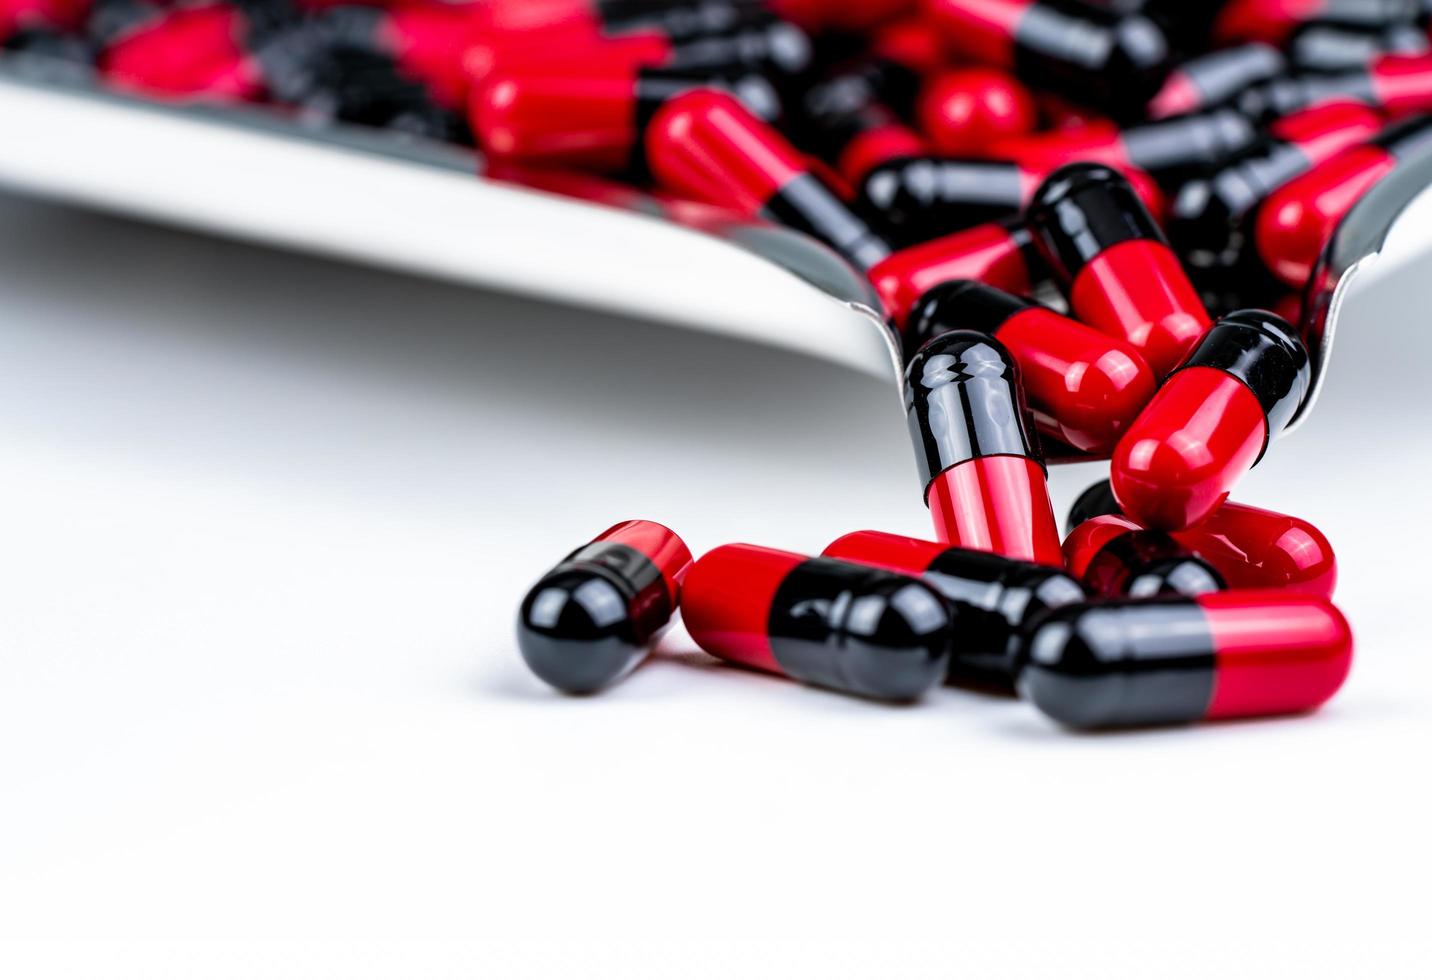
(1359,244)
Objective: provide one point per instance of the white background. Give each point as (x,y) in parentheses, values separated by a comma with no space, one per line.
(264,524)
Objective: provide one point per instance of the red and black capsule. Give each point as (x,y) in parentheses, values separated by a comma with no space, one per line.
(593,120)
(846,121)
(1116,61)
(1395,84)
(920,198)
(830,623)
(591,620)
(1252,548)
(1276,21)
(1117,268)
(1296,222)
(993,598)
(1115,557)
(1000,253)
(1179,660)
(425,42)
(1084,387)
(1211,421)
(1210,215)
(616,17)
(1169,149)
(1329,48)
(1212,79)
(707,145)
(966,111)
(980,466)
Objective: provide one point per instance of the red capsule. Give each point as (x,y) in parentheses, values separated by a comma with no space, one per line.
(1177,660)
(600,17)
(890,140)
(430,43)
(982,474)
(1298,220)
(1119,272)
(1275,21)
(562,52)
(1115,556)
(841,15)
(19,14)
(966,111)
(1214,78)
(186,51)
(835,624)
(997,253)
(1084,387)
(1211,421)
(708,146)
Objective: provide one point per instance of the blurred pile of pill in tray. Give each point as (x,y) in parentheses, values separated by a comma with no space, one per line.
(1163,176)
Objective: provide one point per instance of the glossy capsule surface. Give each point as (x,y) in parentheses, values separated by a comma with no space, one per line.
(1276,21)
(834,624)
(980,467)
(1096,55)
(993,598)
(1174,661)
(1329,48)
(1251,547)
(1396,84)
(963,112)
(675,20)
(1215,78)
(594,617)
(1084,387)
(1211,421)
(1298,220)
(1117,268)
(1168,149)
(1113,556)
(710,147)
(999,253)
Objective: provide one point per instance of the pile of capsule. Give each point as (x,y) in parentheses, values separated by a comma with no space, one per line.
(1090,226)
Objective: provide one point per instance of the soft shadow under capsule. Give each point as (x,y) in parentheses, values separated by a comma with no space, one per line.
(980,466)
(594,618)
(1173,661)
(834,624)
(1211,421)
(994,598)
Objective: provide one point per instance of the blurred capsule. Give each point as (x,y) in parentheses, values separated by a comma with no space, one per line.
(1396,84)
(1276,21)
(966,111)
(1327,48)
(1212,79)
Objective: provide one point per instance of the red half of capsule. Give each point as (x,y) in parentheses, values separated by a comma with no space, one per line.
(553,52)
(660,544)
(1260,549)
(1138,290)
(18,14)
(1270,21)
(983,30)
(1200,433)
(1096,142)
(180,53)
(995,254)
(707,146)
(1402,83)
(844,15)
(1325,130)
(1091,537)
(998,504)
(1299,219)
(1274,653)
(539,15)
(964,113)
(586,121)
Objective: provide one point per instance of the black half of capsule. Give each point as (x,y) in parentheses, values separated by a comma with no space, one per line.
(1144,564)
(861,630)
(1094,54)
(1280,97)
(1220,75)
(110,20)
(963,400)
(1329,48)
(1081,211)
(678,20)
(1407,138)
(961,304)
(1097,501)
(1208,214)
(871,93)
(808,204)
(588,622)
(1187,145)
(995,599)
(1120,664)
(922,198)
(1262,350)
(773,47)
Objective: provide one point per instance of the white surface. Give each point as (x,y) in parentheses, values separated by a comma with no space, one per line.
(265,524)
